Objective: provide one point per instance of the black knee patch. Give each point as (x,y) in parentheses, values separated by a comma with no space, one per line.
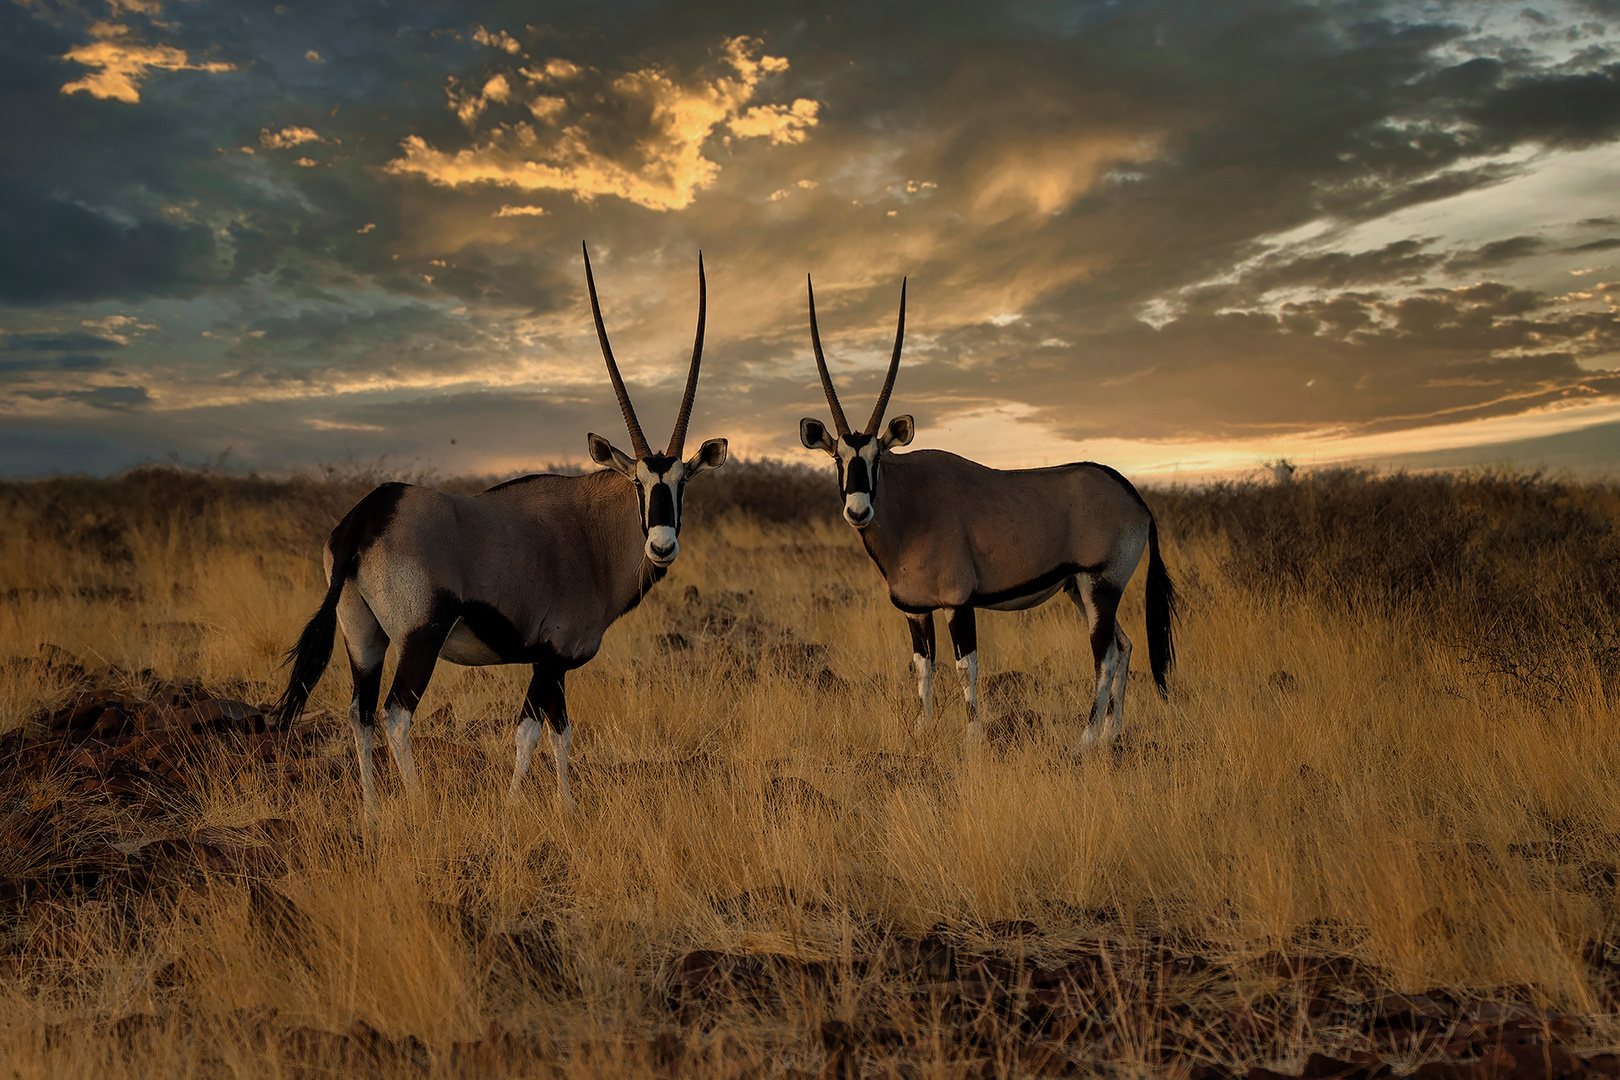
(367,686)
(922,634)
(546,697)
(964,631)
(1105,602)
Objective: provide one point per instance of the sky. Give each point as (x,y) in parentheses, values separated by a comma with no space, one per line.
(1184,238)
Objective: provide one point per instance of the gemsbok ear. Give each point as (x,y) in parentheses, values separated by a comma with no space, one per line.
(813,434)
(711,455)
(605,453)
(900,433)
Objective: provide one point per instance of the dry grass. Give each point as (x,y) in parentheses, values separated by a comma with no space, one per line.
(1329,777)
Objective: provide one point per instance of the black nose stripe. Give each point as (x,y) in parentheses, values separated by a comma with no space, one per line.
(855,478)
(660,507)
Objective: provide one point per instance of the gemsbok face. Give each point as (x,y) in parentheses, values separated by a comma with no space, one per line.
(858,455)
(950,533)
(660,478)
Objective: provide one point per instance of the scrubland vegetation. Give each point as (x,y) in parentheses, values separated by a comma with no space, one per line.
(1375,826)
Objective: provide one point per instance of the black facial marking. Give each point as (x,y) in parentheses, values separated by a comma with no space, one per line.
(659,463)
(964,631)
(857,440)
(660,507)
(855,478)
(1030,588)
(922,634)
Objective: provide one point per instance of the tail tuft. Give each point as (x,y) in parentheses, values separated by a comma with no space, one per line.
(1161,613)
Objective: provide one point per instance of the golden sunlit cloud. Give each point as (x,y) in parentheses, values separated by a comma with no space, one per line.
(520,211)
(1046,179)
(314,57)
(288,136)
(500,39)
(782,193)
(122,63)
(669,166)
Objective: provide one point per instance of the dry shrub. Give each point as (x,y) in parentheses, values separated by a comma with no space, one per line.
(1520,573)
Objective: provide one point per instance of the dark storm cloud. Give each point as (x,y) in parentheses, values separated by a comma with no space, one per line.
(56,342)
(102,397)
(53,250)
(1559,110)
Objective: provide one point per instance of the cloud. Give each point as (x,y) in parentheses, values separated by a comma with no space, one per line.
(54,249)
(641,135)
(69,342)
(122,63)
(508,210)
(289,136)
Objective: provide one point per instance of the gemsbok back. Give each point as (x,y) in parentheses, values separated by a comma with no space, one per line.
(532,571)
(950,533)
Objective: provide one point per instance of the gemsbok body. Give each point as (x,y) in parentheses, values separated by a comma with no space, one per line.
(532,571)
(950,533)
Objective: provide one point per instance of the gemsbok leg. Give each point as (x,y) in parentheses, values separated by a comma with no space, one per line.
(1122,672)
(922,660)
(1099,599)
(965,643)
(418,656)
(545,704)
(368,648)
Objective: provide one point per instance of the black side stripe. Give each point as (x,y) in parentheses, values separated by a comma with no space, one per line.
(1041,584)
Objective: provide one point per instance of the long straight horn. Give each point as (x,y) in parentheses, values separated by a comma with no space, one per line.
(637,441)
(821,364)
(894,366)
(677,439)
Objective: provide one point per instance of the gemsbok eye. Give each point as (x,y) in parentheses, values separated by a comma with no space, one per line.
(532,571)
(999,539)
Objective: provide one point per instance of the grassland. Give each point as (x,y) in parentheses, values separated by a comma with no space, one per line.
(1377,819)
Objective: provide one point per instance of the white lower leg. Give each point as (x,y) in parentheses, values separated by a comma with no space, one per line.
(968,669)
(925,689)
(398,724)
(364,735)
(528,733)
(559,746)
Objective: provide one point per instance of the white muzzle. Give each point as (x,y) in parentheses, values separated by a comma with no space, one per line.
(662,545)
(858,509)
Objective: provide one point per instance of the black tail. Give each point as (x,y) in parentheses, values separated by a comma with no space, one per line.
(1161,612)
(314,649)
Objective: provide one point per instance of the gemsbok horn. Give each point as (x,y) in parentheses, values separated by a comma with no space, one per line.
(950,533)
(532,571)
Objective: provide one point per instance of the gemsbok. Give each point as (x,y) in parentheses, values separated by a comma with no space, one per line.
(946,532)
(532,571)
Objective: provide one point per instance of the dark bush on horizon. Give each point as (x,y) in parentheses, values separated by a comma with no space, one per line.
(1515,570)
